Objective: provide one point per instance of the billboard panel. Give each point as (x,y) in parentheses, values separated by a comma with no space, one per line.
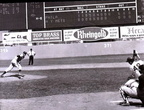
(50,36)
(132,32)
(16,37)
(91,33)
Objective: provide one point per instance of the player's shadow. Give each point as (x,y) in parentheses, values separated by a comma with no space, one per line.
(17,76)
(136,104)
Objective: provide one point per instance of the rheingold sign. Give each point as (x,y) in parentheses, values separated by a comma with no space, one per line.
(91,34)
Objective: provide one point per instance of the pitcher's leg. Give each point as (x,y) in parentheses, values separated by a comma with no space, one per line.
(7,70)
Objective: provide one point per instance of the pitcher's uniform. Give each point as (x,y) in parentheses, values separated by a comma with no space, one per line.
(15,63)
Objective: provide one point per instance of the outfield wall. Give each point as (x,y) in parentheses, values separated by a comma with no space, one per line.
(74,50)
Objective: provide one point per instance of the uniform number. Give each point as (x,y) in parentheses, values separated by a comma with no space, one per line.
(137,66)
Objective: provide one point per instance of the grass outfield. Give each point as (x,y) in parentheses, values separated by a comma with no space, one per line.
(65,82)
(74,60)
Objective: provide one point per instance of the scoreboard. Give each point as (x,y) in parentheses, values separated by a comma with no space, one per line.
(90,14)
(12,16)
(67,14)
(35,12)
(141,11)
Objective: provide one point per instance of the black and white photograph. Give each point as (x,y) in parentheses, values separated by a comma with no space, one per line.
(72,55)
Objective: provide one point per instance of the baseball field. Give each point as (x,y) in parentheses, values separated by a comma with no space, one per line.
(81,83)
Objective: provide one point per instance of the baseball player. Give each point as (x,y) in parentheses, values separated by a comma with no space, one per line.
(16,63)
(136,65)
(129,89)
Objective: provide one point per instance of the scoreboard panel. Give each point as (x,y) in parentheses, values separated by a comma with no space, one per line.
(12,16)
(35,15)
(141,11)
(90,14)
(67,14)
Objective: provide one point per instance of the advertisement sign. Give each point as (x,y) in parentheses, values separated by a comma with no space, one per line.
(50,36)
(132,32)
(91,33)
(16,37)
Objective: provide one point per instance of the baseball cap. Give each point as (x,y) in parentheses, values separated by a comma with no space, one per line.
(25,52)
